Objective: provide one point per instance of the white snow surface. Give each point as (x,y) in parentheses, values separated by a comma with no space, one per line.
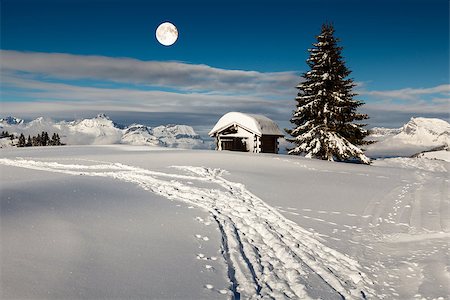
(257,124)
(419,134)
(179,136)
(383,132)
(122,222)
(439,155)
(98,130)
(101,130)
(139,135)
(426,131)
(6,142)
(173,131)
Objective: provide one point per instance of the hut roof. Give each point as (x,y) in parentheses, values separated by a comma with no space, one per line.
(258,124)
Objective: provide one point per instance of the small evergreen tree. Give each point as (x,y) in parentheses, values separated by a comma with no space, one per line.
(53,140)
(22,141)
(58,140)
(44,138)
(38,140)
(326,110)
(29,142)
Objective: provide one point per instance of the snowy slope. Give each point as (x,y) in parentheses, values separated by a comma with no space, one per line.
(439,155)
(101,130)
(381,132)
(179,136)
(425,131)
(7,142)
(98,130)
(173,136)
(419,134)
(235,224)
(139,135)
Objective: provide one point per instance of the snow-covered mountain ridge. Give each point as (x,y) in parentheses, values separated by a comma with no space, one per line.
(101,130)
(419,134)
(426,131)
(377,132)
(10,121)
(423,131)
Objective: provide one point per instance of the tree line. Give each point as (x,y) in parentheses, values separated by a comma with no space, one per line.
(5,134)
(42,139)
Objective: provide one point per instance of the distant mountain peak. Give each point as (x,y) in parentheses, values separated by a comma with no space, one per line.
(40,121)
(418,134)
(102,116)
(11,121)
(137,128)
(429,126)
(178,131)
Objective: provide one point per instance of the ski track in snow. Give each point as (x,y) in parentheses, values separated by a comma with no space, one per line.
(267,255)
(403,237)
(406,236)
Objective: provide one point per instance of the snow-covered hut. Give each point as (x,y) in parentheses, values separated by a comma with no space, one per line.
(237,131)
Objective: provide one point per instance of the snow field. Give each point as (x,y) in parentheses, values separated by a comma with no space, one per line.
(63,237)
(323,230)
(267,254)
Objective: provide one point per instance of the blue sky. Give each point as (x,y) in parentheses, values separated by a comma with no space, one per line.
(75,58)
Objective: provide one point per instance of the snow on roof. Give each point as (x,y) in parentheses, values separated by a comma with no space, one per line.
(257,124)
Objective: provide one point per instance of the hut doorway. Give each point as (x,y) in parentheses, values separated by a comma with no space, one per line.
(269,144)
(234,144)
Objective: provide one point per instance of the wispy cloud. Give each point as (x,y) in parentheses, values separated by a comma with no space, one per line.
(51,98)
(176,75)
(392,108)
(55,84)
(60,84)
(409,93)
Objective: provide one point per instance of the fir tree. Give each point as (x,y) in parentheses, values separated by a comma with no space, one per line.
(29,142)
(58,140)
(22,141)
(326,110)
(44,138)
(53,140)
(47,139)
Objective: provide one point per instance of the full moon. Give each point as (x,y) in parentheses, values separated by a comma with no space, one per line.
(167,34)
